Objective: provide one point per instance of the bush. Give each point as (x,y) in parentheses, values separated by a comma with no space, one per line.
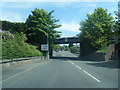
(75,50)
(102,50)
(17,48)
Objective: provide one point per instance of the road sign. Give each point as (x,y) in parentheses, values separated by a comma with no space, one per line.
(44,47)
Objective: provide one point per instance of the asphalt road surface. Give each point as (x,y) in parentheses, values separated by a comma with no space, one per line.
(61,72)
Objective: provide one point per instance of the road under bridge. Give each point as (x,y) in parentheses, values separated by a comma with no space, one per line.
(84,47)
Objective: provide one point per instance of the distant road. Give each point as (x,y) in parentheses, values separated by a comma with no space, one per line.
(61,73)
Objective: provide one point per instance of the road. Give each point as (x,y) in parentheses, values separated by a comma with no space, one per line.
(64,71)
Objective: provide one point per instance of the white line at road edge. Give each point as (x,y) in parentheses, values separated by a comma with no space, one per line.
(85,72)
(20,73)
(91,76)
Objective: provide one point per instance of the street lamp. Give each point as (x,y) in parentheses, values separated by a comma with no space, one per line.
(48,40)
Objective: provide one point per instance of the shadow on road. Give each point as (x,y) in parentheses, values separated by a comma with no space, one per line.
(108,64)
(97,63)
(66,58)
(73,59)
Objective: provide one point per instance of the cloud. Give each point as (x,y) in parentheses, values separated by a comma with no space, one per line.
(92,5)
(71,26)
(14,17)
(87,5)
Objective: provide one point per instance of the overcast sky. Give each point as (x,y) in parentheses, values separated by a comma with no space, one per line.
(69,13)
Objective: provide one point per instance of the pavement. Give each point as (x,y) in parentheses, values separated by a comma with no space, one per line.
(65,70)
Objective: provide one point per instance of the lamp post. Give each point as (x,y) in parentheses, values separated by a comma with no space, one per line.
(48,41)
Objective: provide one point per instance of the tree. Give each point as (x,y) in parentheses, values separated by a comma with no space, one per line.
(56,47)
(41,26)
(97,29)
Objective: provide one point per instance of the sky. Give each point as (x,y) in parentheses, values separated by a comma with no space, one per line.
(70,13)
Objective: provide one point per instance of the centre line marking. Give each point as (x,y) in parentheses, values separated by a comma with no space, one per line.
(72,63)
(91,76)
(77,66)
(85,72)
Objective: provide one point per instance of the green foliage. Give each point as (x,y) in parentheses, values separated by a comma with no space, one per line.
(97,29)
(17,48)
(13,26)
(102,50)
(56,47)
(65,47)
(75,50)
(40,23)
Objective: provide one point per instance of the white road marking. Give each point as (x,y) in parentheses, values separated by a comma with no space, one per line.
(78,66)
(91,76)
(75,65)
(71,62)
(85,72)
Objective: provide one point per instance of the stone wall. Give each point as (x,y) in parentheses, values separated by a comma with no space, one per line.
(95,57)
(110,52)
(113,52)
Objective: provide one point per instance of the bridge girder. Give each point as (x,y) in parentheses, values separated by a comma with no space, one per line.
(67,40)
